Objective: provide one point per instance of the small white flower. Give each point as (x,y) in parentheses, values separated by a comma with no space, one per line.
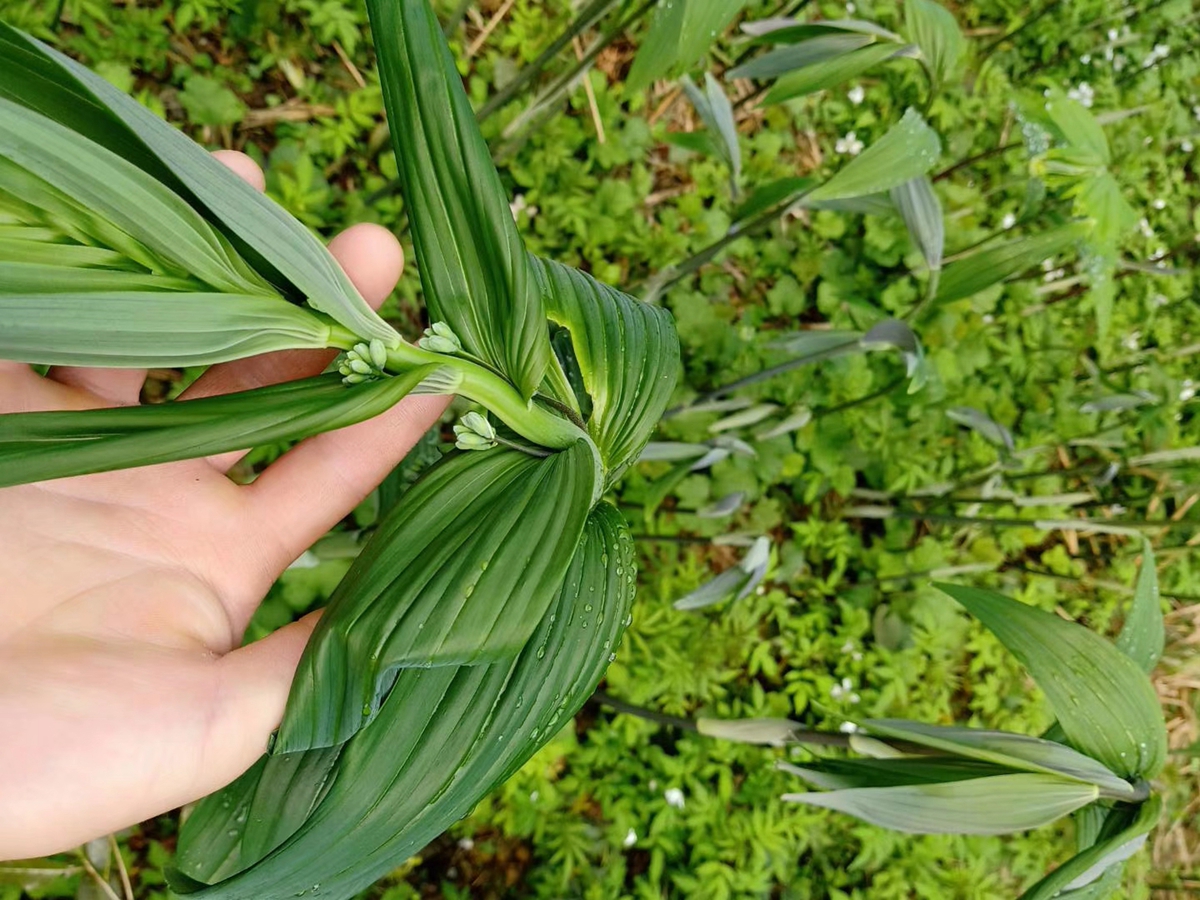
(1133,341)
(850,144)
(1188,391)
(1159,253)
(1108,54)
(1162,51)
(521,205)
(1185,145)
(847,647)
(854,698)
(1047,265)
(534,796)
(1159,300)
(851,9)
(466,844)
(1009,220)
(856,94)
(1144,227)
(630,838)
(674,798)
(653,785)
(988,318)
(847,728)
(1119,62)
(1084,94)
(1086,59)
(1160,203)
(1113,34)
(1115,509)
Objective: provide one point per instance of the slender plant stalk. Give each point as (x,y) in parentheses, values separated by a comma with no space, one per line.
(455,19)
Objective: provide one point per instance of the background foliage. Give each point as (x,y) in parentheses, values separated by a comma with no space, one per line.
(845,625)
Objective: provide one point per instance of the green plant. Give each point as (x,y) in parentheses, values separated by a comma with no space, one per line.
(491,599)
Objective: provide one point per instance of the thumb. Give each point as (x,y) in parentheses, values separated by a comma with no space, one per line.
(255,681)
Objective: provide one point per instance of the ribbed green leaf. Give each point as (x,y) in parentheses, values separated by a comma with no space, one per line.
(37,446)
(771,194)
(627,352)
(42,252)
(908,150)
(680,33)
(44,278)
(275,243)
(1000,804)
(444,737)
(922,213)
(785,59)
(460,572)
(473,265)
(1103,700)
(980,270)
(933,28)
(1091,864)
(1142,636)
(831,72)
(144,328)
(1013,751)
(717,114)
(789,31)
(851,774)
(118,193)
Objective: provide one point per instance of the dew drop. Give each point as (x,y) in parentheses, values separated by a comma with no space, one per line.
(587,607)
(483,565)
(366,709)
(541,651)
(469,591)
(612,657)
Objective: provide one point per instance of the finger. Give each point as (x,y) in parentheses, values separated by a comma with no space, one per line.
(118,387)
(374,260)
(254,683)
(243,167)
(319,481)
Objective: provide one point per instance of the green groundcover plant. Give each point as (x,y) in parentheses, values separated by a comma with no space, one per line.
(486,606)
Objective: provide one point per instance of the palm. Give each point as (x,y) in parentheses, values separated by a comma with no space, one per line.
(126,594)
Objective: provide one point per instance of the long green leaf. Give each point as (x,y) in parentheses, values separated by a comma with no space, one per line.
(789,57)
(680,32)
(443,739)
(606,326)
(473,265)
(1142,636)
(933,28)
(1103,700)
(460,572)
(717,114)
(274,242)
(119,193)
(908,150)
(1091,864)
(831,72)
(37,446)
(145,328)
(922,214)
(972,274)
(1013,751)
(849,774)
(47,278)
(999,804)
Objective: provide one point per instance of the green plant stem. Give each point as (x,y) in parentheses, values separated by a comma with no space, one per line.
(476,382)
(456,18)
(1003,521)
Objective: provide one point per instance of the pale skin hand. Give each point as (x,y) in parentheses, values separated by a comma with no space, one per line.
(123,596)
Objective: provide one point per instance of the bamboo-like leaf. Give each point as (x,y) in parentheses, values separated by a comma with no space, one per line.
(908,150)
(933,28)
(460,572)
(1103,700)
(717,114)
(735,582)
(116,192)
(983,425)
(771,194)
(831,72)
(444,737)
(772,732)
(45,278)
(922,213)
(37,446)
(1013,751)
(279,247)
(144,328)
(785,59)
(474,269)
(1084,868)
(680,32)
(627,398)
(972,274)
(785,30)
(849,774)
(1000,804)
(1142,636)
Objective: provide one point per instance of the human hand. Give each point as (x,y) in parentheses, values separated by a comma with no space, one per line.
(123,691)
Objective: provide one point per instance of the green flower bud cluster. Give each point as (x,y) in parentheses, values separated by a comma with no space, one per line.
(474,432)
(364,362)
(440,338)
